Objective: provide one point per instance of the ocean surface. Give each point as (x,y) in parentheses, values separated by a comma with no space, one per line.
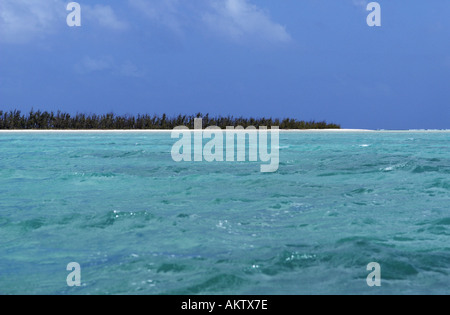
(139,223)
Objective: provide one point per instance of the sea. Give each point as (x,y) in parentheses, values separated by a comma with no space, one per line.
(137,222)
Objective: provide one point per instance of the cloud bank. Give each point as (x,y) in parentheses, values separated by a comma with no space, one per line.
(25,20)
(238,20)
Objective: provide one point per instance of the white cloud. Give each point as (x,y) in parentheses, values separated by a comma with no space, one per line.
(238,19)
(107,64)
(164,12)
(89,65)
(24,20)
(105,16)
(233,19)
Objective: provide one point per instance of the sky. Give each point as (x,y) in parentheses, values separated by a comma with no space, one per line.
(303,59)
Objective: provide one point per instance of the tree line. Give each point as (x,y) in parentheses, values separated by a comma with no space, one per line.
(43,120)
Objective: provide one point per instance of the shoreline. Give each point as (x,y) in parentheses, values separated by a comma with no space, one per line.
(85,131)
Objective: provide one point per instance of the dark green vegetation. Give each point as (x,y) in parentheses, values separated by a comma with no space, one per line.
(49,120)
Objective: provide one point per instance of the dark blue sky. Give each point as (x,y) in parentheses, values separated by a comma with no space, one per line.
(306,59)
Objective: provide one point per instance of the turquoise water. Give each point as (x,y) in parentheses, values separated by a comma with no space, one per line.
(138,222)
